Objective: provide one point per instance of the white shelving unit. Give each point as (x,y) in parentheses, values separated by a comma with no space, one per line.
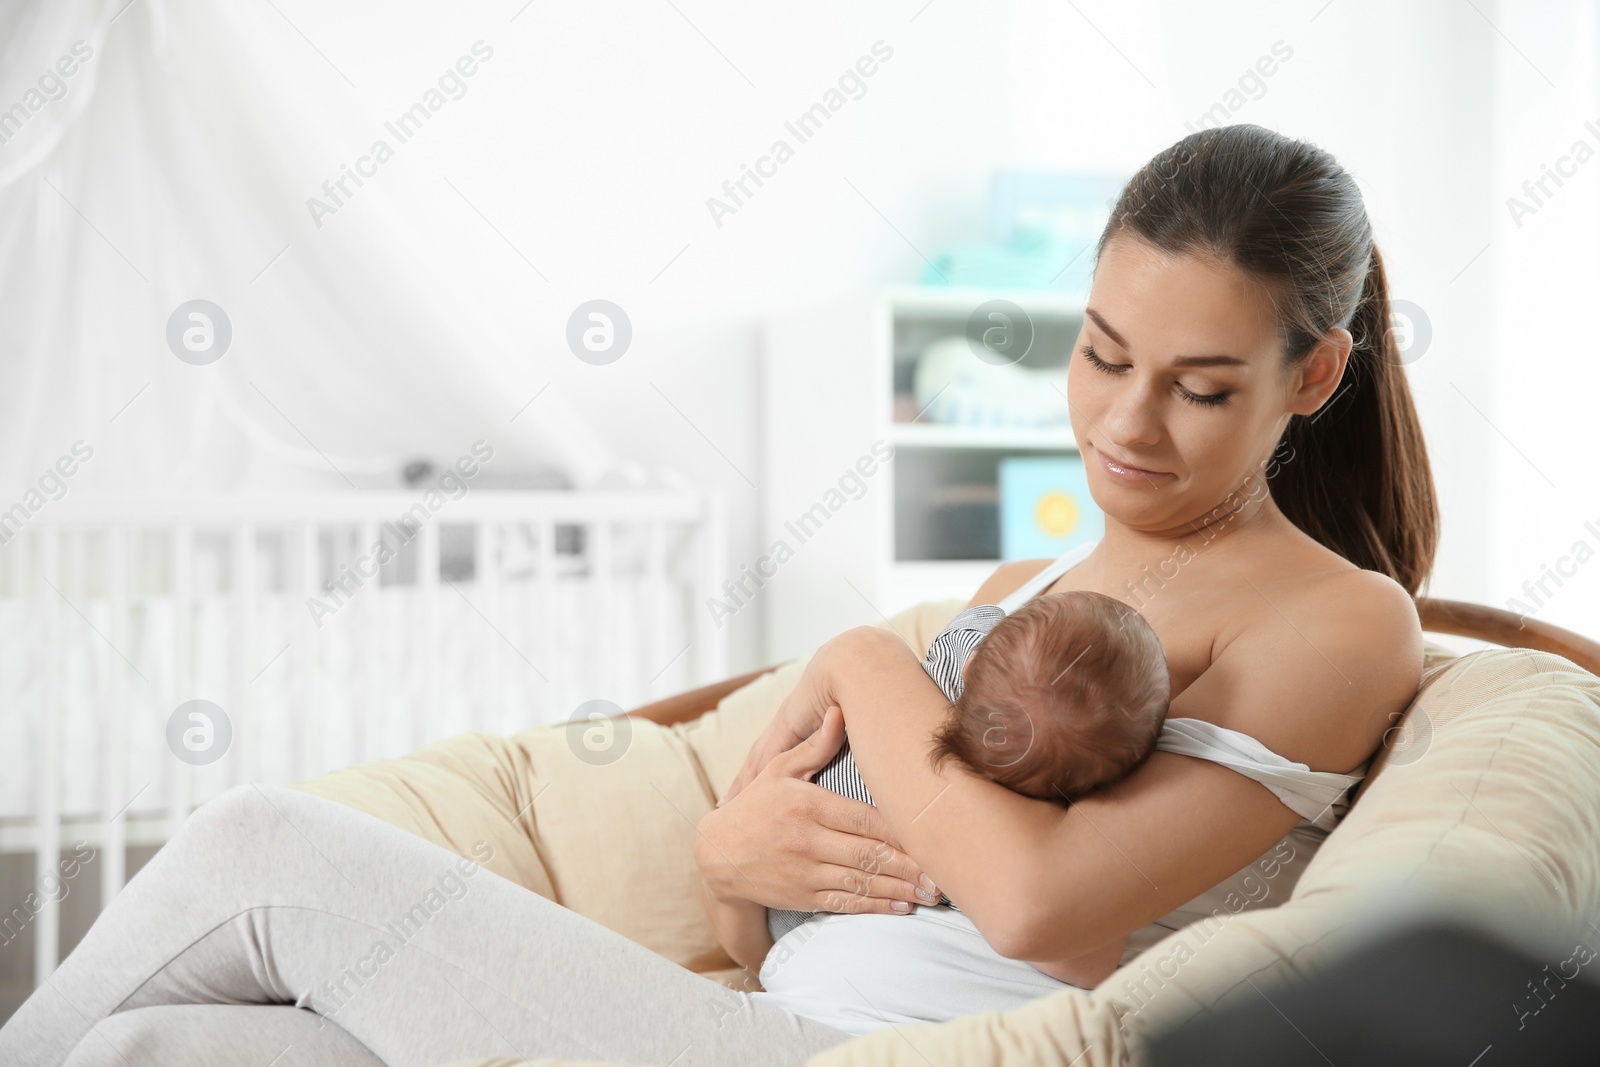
(1004,438)
(923,526)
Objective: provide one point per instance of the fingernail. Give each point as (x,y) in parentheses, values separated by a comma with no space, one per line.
(901,906)
(927,883)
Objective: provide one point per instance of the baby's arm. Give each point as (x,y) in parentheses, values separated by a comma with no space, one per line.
(1088,970)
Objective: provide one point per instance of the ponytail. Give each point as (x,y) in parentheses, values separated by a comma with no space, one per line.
(1358,480)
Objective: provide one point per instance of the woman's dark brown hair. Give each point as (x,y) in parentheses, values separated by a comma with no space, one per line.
(1288,215)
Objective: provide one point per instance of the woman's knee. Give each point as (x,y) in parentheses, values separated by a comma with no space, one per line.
(230,813)
(244,817)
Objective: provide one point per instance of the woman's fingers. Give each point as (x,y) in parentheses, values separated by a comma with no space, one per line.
(740,780)
(767,747)
(841,848)
(814,753)
(853,890)
(779,737)
(854,817)
(869,871)
(854,839)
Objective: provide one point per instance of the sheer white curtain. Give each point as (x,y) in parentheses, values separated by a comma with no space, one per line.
(1543,243)
(163,151)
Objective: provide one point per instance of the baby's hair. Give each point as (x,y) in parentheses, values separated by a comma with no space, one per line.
(1114,692)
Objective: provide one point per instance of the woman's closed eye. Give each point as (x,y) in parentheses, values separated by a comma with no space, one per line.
(1203,399)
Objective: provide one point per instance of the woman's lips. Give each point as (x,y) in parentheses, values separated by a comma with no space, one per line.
(1123,472)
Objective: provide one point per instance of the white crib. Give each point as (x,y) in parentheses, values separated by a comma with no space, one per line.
(501,611)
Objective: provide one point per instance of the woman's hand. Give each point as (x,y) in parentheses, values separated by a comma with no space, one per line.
(798,717)
(786,843)
(788,728)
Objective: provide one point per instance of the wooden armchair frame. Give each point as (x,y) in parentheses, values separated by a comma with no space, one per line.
(1454,617)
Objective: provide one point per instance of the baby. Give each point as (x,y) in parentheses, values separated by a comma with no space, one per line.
(1064,695)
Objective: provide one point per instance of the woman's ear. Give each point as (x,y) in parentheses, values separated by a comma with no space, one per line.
(1318,375)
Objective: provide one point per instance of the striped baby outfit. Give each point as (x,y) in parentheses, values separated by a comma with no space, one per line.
(947,654)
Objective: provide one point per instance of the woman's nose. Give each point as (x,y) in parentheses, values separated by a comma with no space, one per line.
(1131,420)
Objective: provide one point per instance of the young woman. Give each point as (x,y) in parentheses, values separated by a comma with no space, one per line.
(1252,442)
(1250,435)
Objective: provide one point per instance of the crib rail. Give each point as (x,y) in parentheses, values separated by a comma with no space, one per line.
(330,630)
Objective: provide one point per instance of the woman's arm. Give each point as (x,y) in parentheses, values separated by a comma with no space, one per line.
(1088,970)
(1040,881)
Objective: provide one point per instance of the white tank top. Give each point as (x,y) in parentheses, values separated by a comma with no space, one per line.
(860,973)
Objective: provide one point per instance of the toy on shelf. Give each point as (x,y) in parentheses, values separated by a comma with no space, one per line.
(952,386)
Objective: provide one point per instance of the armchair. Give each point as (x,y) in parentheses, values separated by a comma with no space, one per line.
(1504,803)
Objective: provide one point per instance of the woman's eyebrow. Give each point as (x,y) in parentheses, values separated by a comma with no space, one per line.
(1181,361)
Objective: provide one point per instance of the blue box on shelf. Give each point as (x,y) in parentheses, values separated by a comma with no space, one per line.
(1042,227)
(1066,211)
(1045,506)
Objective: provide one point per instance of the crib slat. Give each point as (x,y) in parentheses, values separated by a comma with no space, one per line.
(119,710)
(370,652)
(486,577)
(181,796)
(47,851)
(712,642)
(603,602)
(10,576)
(246,605)
(341,718)
(427,710)
(655,576)
(552,703)
(307,757)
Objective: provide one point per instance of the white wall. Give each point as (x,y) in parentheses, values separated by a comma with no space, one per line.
(595,135)
(1544,501)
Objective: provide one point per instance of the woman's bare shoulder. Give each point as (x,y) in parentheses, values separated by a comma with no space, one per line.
(1316,666)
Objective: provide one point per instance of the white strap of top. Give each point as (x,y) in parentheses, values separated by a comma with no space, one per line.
(1316,796)
(1059,566)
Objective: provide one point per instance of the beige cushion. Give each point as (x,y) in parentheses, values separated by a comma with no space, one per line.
(1505,794)
(539,805)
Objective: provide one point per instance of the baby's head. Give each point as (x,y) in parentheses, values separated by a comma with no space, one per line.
(1064,695)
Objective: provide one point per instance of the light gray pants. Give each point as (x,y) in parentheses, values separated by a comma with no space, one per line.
(281,924)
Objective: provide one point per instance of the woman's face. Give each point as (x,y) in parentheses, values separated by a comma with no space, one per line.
(1193,395)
